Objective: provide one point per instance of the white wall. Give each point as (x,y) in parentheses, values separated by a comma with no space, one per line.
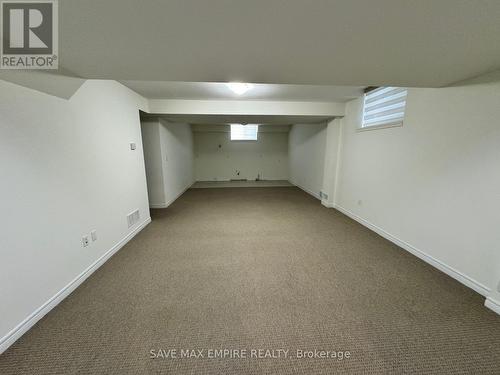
(66,169)
(432,185)
(307,145)
(267,157)
(333,148)
(177,152)
(168,152)
(153,160)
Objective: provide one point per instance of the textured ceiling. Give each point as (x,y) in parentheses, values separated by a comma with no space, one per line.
(425,43)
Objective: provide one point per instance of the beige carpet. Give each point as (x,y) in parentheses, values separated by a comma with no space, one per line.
(262,268)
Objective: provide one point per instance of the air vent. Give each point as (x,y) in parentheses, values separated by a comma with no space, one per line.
(133,218)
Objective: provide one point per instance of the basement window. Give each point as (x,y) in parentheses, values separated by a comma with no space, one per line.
(241,132)
(384,107)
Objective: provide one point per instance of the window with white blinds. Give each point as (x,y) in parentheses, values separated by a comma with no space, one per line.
(244,132)
(384,106)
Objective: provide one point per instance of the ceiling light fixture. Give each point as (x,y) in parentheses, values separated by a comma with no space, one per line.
(239,87)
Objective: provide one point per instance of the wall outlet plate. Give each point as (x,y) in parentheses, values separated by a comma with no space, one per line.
(85,241)
(133,146)
(93,235)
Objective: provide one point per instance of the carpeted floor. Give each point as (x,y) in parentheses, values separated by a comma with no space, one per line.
(261,268)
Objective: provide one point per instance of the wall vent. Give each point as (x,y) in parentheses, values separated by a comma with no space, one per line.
(133,218)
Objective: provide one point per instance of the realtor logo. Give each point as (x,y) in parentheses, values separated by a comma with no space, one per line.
(29,34)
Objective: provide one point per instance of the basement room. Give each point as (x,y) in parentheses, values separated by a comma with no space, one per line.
(250,187)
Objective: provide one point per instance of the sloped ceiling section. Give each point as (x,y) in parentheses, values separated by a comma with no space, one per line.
(53,83)
(425,43)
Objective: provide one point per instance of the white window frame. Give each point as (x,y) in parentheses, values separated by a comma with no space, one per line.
(243,138)
(388,123)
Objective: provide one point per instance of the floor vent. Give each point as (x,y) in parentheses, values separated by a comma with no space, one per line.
(133,218)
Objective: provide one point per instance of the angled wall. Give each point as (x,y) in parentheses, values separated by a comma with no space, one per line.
(67,169)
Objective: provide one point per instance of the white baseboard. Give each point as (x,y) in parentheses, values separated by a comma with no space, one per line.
(157,205)
(315,195)
(39,313)
(327,204)
(492,305)
(450,271)
(165,205)
(216,180)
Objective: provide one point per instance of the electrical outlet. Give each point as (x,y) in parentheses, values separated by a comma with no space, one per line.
(93,235)
(133,146)
(85,241)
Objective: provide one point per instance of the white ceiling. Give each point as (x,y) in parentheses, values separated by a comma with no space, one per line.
(326,42)
(219,91)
